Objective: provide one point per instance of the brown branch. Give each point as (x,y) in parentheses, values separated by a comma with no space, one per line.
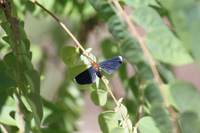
(80,46)
(14,27)
(152,64)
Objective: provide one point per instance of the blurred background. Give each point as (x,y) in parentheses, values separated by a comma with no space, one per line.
(72,102)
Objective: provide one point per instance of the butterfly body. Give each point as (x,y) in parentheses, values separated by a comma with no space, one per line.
(88,76)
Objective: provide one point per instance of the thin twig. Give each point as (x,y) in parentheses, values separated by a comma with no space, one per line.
(14,27)
(148,56)
(80,46)
(109,90)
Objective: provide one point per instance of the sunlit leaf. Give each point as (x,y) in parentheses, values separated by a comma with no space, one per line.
(99,97)
(147,17)
(69,54)
(117,130)
(186,96)
(166,47)
(147,125)
(107,120)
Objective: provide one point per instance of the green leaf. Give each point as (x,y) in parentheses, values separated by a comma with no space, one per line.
(125,126)
(21,30)
(189,122)
(7,107)
(117,130)
(123,109)
(147,17)
(99,97)
(138,3)
(161,118)
(123,75)
(7,104)
(10,40)
(107,120)
(10,60)
(26,62)
(5,81)
(131,50)
(147,125)
(166,47)
(145,71)
(195,43)
(152,94)
(109,48)
(33,79)
(117,27)
(35,103)
(186,96)
(13,11)
(103,8)
(12,73)
(6,27)
(134,84)
(69,54)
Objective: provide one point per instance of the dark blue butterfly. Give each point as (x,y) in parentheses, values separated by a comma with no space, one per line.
(88,76)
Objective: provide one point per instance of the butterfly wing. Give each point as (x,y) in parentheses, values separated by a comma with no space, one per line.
(110,65)
(86,77)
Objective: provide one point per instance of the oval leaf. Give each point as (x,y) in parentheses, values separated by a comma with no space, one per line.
(131,50)
(166,47)
(147,125)
(117,27)
(107,120)
(186,96)
(189,122)
(147,17)
(69,54)
(152,94)
(99,97)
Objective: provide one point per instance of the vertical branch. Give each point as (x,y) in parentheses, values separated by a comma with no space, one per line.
(14,28)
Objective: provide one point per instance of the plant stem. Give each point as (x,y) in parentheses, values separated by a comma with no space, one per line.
(14,27)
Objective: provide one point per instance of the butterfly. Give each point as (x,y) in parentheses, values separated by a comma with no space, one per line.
(89,75)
